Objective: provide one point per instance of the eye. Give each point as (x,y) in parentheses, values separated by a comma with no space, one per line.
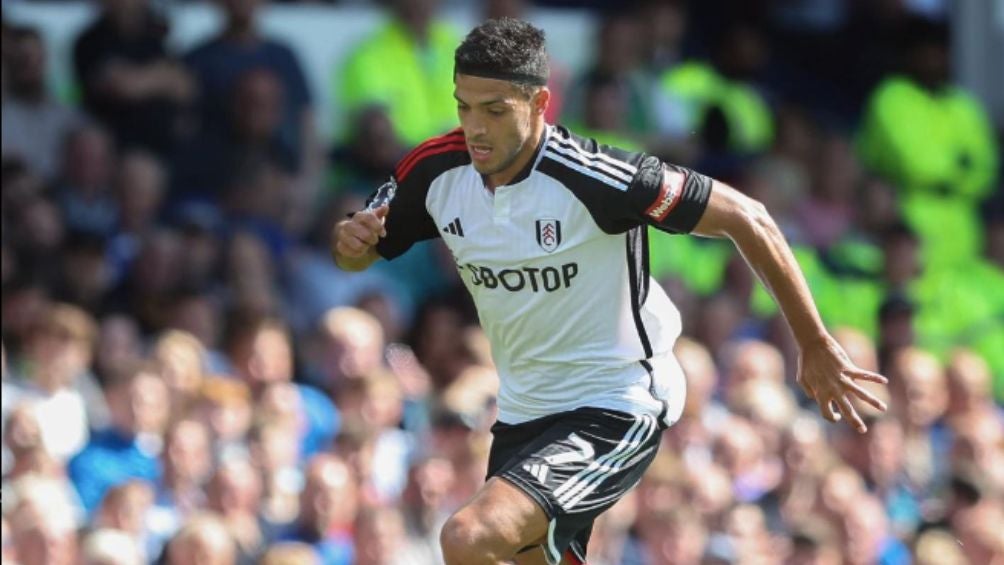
(462,108)
(496,111)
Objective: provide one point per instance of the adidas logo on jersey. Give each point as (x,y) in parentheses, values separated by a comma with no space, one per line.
(454,228)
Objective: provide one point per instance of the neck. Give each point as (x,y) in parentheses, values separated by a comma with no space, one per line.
(241,32)
(526,154)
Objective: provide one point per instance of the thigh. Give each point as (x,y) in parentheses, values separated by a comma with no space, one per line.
(576,468)
(507,518)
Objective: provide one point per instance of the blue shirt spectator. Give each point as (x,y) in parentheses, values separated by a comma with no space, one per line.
(109,459)
(219,62)
(129,449)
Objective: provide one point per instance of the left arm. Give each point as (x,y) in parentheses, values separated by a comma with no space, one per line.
(824,370)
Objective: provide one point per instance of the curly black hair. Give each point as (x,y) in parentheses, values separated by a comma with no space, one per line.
(505,49)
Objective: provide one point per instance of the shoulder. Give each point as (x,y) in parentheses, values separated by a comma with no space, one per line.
(209,48)
(434,156)
(313,397)
(570,158)
(278,49)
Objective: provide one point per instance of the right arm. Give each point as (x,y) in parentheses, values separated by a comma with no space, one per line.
(375,231)
(353,241)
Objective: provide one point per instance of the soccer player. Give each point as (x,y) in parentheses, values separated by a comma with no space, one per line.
(548,231)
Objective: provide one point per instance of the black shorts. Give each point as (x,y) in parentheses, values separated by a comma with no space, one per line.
(575,465)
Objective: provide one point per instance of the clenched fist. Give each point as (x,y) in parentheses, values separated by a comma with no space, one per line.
(354,239)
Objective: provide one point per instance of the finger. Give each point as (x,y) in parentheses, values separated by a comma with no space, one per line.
(348,249)
(354,245)
(866,396)
(847,409)
(826,409)
(381,212)
(863,375)
(362,233)
(370,222)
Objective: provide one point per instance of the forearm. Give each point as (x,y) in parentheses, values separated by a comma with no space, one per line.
(747,223)
(765,250)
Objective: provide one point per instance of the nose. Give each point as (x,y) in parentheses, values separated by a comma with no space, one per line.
(475,128)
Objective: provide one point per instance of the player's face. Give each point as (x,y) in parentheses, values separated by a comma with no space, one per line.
(501,124)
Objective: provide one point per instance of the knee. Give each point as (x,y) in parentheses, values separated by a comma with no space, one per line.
(467,539)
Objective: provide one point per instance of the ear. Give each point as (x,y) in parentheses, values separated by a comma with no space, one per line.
(540,101)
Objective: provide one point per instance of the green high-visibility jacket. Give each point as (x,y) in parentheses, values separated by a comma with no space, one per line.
(699,86)
(414,82)
(939,150)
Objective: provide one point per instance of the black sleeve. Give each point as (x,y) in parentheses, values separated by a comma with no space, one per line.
(669,197)
(623,190)
(408,220)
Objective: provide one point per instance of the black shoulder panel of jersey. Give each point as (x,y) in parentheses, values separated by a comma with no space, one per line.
(408,220)
(624,189)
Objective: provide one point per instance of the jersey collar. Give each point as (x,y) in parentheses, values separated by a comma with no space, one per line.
(532,163)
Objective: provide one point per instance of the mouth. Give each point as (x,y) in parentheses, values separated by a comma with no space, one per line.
(480,152)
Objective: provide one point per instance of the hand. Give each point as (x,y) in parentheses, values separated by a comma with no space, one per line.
(355,237)
(827,375)
(415,380)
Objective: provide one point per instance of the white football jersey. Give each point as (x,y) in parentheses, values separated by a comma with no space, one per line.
(557,264)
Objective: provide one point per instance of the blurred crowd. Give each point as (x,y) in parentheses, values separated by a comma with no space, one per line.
(187,378)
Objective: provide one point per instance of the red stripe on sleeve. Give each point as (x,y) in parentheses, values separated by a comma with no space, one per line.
(451,137)
(406,168)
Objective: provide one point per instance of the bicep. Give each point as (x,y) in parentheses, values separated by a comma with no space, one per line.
(728,211)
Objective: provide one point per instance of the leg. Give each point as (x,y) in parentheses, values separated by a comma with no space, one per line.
(500,520)
(550,478)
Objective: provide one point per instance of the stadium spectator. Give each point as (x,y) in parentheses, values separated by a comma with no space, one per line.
(406,65)
(931,140)
(128,449)
(128,79)
(380,537)
(34,124)
(224,404)
(140,184)
(128,508)
(234,492)
(369,155)
(241,50)
(722,98)
(109,547)
(918,388)
(186,462)
(84,186)
(613,97)
(329,505)
(57,379)
(151,282)
(262,355)
(426,503)
(41,522)
(275,451)
(182,360)
(208,168)
(347,344)
(205,540)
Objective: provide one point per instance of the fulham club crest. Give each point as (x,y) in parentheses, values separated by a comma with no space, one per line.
(548,234)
